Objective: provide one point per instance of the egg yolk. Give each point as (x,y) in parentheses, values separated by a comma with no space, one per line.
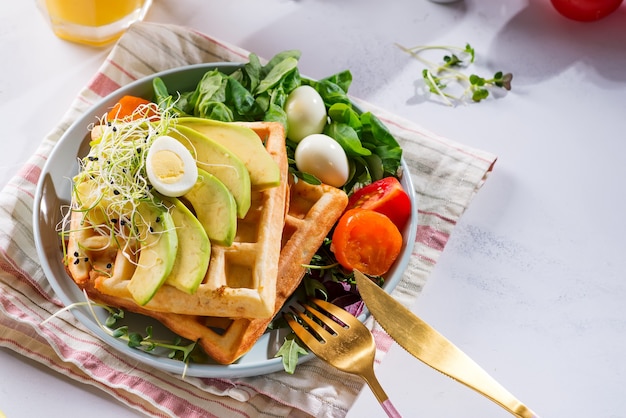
(168,166)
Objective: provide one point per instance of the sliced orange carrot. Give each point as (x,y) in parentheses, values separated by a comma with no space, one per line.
(367,241)
(129,107)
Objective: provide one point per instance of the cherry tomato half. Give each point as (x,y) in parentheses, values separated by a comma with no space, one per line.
(586,10)
(384,196)
(367,241)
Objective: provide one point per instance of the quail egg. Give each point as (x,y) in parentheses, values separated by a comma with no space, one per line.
(170,167)
(323,157)
(306,113)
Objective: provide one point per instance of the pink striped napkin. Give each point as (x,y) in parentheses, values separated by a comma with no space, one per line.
(446,176)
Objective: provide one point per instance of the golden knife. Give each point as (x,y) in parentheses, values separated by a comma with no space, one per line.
(426,344)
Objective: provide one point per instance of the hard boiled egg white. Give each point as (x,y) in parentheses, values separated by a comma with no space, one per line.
(306,113)
(323,157)
(170,167)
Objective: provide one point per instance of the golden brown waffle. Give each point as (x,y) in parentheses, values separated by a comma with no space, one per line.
(241,279)
(311,213)
(313,210)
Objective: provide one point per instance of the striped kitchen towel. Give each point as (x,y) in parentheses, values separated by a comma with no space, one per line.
(446,176)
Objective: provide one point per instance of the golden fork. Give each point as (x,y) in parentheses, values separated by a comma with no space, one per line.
(347,345)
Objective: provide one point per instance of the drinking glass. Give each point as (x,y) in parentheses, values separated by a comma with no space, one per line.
(92,22)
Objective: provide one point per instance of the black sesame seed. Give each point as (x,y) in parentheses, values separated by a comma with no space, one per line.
(158,219)
(86,259)
(116,192)
(115,129)
(76,254)
(109,265)
(76,261)
(151,229)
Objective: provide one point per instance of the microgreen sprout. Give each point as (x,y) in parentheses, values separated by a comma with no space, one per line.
(136,340)
(114,169)
(439,77)
(112,181)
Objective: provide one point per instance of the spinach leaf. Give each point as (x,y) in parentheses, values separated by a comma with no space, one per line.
(164,99)
(278,59)
(283,70)
(344,113)
(161,95)
(276,113)
(347,137)
(251,73)
(377,137)
(214,110)
(342,79)
(241,100)
(331,93)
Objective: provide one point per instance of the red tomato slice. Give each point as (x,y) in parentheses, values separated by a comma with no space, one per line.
(367,241)
(384,196)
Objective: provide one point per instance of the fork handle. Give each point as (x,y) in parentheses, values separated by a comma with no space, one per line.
(391,410)
(371,380)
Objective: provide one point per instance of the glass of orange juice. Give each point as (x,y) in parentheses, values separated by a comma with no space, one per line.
(93,22)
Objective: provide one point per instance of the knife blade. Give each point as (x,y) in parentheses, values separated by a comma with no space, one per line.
(429,346)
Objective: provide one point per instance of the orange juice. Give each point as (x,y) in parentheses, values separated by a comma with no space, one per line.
(94,22)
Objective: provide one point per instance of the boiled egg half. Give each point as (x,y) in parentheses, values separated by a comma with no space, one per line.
(170,167)
(306,113)
(323,157)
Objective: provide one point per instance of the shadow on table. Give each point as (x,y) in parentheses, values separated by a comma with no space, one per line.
(347,36)
(541,44)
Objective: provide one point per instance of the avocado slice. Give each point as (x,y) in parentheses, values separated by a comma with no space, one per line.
(76,264)
(215,208)
(159,245)
(245,143)
(217,160)
(194,249)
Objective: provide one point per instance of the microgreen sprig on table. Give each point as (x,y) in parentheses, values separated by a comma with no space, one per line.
(136,340)
(438,77)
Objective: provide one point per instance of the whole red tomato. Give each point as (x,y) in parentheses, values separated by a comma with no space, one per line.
(384,196)
(586,10)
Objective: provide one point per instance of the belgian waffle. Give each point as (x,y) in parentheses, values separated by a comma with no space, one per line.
(226,333)
(241,279)
(313,210)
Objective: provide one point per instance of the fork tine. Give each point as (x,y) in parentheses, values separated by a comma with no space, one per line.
(321,332)
(327,321)
(338,312)
(307,338)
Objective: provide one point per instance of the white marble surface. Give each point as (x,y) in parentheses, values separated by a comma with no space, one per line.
(531,284)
